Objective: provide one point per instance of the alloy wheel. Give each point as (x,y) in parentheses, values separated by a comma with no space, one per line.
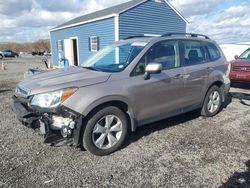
(107,132)
(213,102)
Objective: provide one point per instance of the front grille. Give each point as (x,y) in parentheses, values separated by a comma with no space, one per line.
(241,69)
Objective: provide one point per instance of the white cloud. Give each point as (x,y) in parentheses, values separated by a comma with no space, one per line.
(228,26)
(94,5)
(31,19)
(35,17)
(61,6)
(195,7)
(14,7)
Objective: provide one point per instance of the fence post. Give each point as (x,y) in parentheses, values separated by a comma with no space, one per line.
(3,66)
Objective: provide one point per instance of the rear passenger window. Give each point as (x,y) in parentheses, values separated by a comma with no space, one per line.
(194,53)
(213,51)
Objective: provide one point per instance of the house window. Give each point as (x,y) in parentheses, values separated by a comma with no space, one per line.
(93,44)
(59,45)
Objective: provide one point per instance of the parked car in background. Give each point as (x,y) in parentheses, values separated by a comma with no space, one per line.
(151,78)
(47,54)
(10,53)
(240,68)
(1,55)
(38,53)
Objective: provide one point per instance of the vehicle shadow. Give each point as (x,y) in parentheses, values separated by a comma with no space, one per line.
(243,97)
(148,129)
(242,92)
(239,179)
(227,101)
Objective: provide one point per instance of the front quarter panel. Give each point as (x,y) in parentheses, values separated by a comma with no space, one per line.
(87,98)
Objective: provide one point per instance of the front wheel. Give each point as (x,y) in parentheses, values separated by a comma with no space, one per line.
(1,56)
(105,131)
(213,102)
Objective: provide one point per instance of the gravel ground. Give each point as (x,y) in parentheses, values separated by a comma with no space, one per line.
(185,151)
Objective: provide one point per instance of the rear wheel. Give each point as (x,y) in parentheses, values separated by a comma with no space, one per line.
(1,56)
(105,131)
(213,102)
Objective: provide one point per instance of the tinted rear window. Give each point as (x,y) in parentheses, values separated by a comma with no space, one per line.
(194,53)
(213,51)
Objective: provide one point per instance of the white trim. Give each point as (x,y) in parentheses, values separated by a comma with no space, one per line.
(77,43)
(117,32)
(97,43)
(177,12)
(80,23)
(69,50)
(51,51)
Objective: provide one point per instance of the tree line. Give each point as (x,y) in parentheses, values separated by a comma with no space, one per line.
(40,46)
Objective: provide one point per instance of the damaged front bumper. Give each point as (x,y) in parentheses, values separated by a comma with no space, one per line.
(59,126)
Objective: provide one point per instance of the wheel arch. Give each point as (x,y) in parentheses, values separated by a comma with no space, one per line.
(218,83)
(117,101)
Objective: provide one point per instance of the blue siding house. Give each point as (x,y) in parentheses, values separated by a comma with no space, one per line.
(74,41)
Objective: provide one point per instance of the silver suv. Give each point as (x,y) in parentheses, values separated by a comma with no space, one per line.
(130,83)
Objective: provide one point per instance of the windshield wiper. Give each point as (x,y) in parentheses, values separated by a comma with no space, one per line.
(91,68)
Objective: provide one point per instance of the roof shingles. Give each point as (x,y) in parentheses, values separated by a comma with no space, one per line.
(102,13)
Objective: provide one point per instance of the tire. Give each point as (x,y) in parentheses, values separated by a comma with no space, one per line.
(105,131)
(1,57)
(213,102)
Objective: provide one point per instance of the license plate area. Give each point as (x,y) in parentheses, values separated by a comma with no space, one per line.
(241,76)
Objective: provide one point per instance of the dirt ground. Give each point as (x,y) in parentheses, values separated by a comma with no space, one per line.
(185,151)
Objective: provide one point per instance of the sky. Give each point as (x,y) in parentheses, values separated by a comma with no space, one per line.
(226,21)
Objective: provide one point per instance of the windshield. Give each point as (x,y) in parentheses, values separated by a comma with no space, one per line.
(114,58)
(245,55)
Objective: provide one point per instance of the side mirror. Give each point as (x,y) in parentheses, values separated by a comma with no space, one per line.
(152,68)
(236,57)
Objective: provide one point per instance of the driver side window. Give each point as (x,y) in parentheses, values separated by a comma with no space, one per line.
(166,53)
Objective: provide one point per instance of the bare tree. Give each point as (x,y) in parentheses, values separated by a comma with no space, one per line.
(40,45)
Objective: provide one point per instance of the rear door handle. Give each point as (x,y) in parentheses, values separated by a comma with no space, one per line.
(179,76)
(210,68)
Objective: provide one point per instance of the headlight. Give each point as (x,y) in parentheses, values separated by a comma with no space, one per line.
(53,99)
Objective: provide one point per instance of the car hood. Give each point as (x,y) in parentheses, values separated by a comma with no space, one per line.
(62,78)
(241,62)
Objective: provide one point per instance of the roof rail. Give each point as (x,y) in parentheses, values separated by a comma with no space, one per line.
(186,34)
(145,35)
(134,36)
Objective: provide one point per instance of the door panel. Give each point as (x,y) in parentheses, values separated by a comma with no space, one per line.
(158,96)
(196,71)
(195,80)
(162,94)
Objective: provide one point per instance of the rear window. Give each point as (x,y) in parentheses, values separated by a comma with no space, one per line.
(194,53)
(213,51)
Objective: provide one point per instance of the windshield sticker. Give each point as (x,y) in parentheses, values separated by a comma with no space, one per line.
(120,66)
(139,44)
